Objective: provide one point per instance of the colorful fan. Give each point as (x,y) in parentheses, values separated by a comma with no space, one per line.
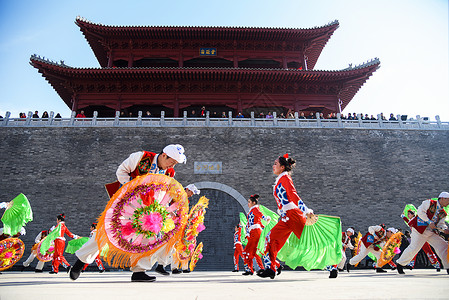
(267,227)
(11,251)
(407,208)
(75,245)
(145,214)
(243,221)
(390,249)
(17,215)
(194,225)
(196,256)
(48,254)
(319,246)
(46,243)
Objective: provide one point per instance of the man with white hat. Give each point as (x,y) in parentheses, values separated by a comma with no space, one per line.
(425,227)
(137,164)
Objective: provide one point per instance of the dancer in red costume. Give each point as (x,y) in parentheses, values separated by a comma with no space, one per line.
(293,213)
(238,248)
(426,247)
(253,230)
(58,257)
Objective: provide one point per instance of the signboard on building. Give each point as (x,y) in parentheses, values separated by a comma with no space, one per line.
(207,167)
(208,51)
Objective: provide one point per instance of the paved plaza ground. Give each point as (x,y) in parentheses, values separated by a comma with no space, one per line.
(359,284)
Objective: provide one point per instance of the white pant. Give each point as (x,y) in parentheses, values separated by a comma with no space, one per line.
(160,256)
(89,251)
(40,264)
(416,243)
(342,262)
(363,253)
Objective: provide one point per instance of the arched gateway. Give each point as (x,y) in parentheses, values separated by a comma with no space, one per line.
(225,204)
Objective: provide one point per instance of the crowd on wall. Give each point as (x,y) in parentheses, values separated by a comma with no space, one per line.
(217,114)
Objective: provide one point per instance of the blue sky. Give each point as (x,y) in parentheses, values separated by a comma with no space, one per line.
(410,37)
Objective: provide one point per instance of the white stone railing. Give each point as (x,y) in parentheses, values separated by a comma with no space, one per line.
(230,121)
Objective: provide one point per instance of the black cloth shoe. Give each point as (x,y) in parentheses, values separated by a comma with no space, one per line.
(186,271)
(142,277)
(438,269)
(247,273)
(279,270)
(235,270)
(333,273)
(52,272)
(160,269)
(38,271)
(400,269)
(176,271)
(22,268)
(380,270)
(267,273)
(348,266)
(447,271)
(76,269)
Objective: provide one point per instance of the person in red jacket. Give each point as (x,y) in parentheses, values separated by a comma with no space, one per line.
(137,164)
(371,242)
(238,248)
(293,213)
(425,228)
(426,247)
(58,257)
(253,231)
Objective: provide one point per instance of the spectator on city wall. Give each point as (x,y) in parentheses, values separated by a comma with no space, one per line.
(81,114)
(36,115)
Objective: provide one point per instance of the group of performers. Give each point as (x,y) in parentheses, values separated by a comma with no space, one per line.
(147,222)
(428,226)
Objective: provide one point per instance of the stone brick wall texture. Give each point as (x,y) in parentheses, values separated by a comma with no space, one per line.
(364,176)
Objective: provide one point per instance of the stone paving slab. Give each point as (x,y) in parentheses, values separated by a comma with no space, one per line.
(359,284)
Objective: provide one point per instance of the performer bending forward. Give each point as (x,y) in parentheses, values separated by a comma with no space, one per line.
(425,226)
(293,213)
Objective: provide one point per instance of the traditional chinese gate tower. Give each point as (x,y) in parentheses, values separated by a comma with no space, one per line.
(183,68)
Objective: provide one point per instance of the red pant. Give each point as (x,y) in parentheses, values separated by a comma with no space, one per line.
(58,257)
(251,249)
(98,262)
(238,251)
(430,254)
(294,221)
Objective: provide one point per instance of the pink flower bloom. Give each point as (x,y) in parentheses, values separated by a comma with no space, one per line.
(201,227)
(152,222)
(8,255)
(200,256)
(191,247)
(128,229)
(397,250)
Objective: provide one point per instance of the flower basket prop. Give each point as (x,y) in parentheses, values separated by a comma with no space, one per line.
(11,251)
(48,254)
(194,225)
(390,249)
(142,216)
(196,256)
